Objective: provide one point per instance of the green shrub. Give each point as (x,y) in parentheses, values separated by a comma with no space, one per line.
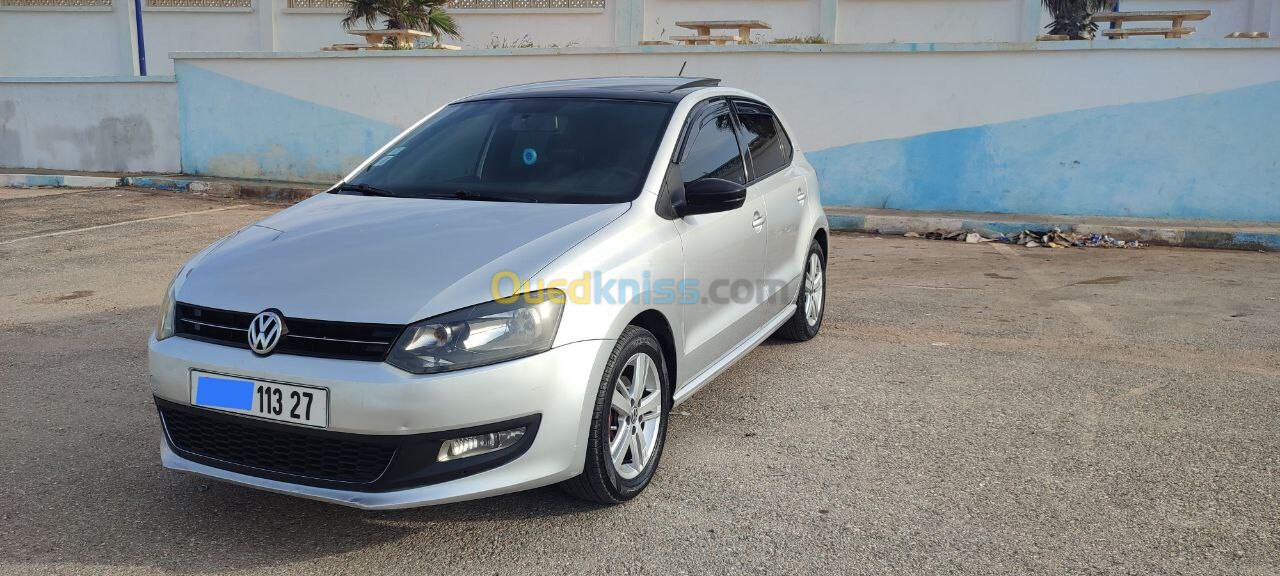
(815,39)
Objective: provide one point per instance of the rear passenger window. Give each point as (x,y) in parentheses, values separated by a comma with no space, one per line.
(767,143)
(712,149)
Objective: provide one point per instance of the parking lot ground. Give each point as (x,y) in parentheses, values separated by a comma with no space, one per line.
(966,409)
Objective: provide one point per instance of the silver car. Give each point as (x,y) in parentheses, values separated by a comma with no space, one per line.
(512,293)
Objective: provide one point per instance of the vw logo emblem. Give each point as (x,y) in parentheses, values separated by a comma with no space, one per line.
(265,331)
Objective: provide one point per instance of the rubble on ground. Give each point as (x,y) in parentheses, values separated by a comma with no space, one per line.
(1054,238)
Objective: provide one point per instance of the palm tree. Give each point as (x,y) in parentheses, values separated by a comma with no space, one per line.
(1071,17)
(426,15)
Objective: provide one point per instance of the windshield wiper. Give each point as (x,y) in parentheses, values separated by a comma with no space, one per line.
(365,189)
(491,196)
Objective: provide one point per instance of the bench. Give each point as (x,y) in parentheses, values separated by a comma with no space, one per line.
(702,31)
(349,47)
(1166,32)
(1175,18)
(704,39)
(401,38)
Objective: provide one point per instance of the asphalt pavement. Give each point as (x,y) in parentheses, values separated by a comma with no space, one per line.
(967,409)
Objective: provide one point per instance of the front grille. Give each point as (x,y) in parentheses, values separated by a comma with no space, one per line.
(273,449)
(320,338)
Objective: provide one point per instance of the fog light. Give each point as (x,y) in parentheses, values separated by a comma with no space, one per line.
(477,445)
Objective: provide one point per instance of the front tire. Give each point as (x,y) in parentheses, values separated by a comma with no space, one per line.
(811,303)
(629,423)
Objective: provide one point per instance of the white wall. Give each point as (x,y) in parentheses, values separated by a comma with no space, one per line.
(921,127)
(930,21)
(105,125)
(888,93)
(1228,16)
(480,28)
(787,17)
(188,30)
(63,43)
(99,42)
(298,31)
(305,31)
(80,42)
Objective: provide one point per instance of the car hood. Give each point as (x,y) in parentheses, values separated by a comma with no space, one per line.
(384,260)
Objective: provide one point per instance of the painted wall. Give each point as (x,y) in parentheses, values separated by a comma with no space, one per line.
(306,31)
(787,17)
(931,21)
(173,30)
(482,29)
(102,39)
(1228,16)
(94,125)
(1206,156)
(1179,130)
(91,43)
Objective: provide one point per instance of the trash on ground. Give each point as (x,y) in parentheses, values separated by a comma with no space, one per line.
(1054,238)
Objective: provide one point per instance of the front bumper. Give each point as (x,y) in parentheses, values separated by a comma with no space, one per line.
(556,388)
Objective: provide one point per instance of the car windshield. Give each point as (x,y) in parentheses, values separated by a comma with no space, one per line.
(558,150)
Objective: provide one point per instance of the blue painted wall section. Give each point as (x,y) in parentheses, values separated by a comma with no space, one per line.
(234,129)
(1207,156)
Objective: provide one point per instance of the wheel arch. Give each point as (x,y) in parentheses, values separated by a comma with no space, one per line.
(657,324)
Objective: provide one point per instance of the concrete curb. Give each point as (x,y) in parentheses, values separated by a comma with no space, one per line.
(57,181)
(246,189)
(1185,234)
(273,192)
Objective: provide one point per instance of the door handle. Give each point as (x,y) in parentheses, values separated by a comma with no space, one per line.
(800,195)
(757,221)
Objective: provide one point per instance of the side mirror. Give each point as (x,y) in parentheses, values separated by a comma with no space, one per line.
(707,196)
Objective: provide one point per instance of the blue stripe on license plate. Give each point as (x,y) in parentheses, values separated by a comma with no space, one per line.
(224,393)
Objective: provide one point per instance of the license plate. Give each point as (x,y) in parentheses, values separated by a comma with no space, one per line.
(263,399)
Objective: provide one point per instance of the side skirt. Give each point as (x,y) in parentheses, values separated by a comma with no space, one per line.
(732,356)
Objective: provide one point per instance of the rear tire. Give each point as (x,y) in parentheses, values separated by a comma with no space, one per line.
(629,423)
(811,303)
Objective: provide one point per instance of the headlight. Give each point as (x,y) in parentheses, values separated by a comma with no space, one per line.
(480,335)
(164,324)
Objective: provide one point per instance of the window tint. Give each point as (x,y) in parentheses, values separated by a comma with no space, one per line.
(563,150)
(712,149)
(767,144)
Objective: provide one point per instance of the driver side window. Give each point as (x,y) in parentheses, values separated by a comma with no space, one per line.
(712,148)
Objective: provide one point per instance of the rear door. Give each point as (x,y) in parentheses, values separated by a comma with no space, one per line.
(781,186)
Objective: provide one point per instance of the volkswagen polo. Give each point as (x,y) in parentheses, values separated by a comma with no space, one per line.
(512,293)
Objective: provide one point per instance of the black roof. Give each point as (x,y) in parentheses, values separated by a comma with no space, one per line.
(657,89)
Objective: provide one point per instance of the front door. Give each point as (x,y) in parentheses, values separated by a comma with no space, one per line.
(724,251)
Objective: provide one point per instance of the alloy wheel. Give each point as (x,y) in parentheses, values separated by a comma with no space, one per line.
(813,287)
(635,415)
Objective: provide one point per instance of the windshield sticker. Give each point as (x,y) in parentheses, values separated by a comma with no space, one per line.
(530,156)
(383,160)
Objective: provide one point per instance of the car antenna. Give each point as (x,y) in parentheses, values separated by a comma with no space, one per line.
(686,63)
